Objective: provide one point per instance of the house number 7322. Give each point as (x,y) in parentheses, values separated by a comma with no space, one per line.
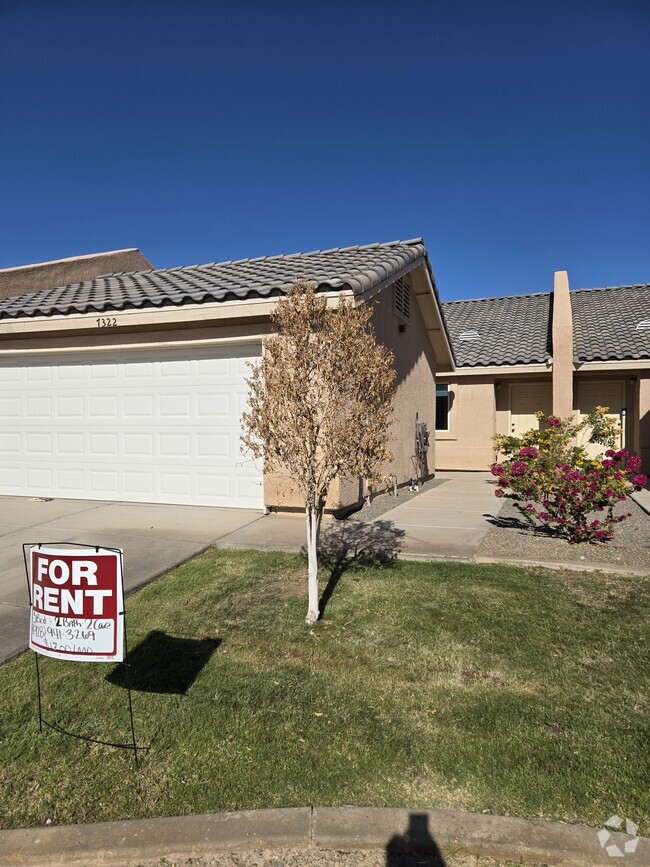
(106,321)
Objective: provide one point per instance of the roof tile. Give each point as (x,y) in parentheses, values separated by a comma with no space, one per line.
(356,268)
(605,323)
(511,330)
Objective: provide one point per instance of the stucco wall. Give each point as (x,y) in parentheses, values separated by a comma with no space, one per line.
(63,272)
(644,421)
(415,392)
(472,424)
(415,366)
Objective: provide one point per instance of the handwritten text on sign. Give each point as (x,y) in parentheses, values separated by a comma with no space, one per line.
(77,606)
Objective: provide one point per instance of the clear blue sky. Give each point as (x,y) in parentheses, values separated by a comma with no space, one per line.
(513,136)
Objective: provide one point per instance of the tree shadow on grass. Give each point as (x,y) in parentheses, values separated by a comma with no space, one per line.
(415,846)
(163,663)
(349,545)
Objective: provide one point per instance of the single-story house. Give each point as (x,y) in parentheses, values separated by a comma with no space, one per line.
(563,353)
(130,386)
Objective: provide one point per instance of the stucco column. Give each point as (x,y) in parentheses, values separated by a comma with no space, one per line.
(562,346)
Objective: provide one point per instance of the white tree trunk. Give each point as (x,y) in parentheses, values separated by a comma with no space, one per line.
(313,531)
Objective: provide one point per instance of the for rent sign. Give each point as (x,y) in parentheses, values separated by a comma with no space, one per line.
(77,603)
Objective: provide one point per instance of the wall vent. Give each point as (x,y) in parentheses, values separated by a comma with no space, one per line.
(469,335)
(644,325)
(402,297)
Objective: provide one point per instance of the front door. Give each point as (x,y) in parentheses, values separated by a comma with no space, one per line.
(525,400)
(609,394)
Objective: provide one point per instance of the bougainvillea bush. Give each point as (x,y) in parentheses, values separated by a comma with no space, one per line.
(550,475)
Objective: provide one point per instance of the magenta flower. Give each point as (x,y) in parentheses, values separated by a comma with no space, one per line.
(633,463)
(640,481)
(518,468)
(610,453)
(553,421)
(498,493)
(608,462)
(497,470)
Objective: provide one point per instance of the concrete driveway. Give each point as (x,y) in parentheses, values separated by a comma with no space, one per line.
(154,539)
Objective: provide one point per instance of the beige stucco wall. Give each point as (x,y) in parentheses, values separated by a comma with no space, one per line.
(415,392)
(472,424)
(643,426)
(562,328)
(481,407)
(63,272)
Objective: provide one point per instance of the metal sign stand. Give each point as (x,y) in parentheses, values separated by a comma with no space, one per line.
(53,725)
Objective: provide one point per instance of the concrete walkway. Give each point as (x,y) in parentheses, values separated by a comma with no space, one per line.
(439,833)
(447,522)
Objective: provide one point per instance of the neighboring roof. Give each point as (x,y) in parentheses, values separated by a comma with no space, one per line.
(358,269)
(605,323)
(27,279)
(486,332)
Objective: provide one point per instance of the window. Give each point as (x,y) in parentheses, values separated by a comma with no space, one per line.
(402,297)
(442,407)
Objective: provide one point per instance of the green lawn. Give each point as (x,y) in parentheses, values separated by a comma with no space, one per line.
(425,685)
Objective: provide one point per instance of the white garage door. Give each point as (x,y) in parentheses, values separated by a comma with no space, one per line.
(156,427)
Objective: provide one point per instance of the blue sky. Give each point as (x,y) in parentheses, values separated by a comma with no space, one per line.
(513,136)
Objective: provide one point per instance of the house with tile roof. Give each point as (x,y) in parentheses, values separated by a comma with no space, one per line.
(130,385)
(562,352)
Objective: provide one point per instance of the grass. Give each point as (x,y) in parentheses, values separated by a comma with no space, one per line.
(425,685)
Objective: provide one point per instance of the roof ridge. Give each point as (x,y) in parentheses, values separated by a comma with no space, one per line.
(607,288)
(374,246)
(496,297)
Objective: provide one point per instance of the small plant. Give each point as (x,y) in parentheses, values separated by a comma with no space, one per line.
(550,475)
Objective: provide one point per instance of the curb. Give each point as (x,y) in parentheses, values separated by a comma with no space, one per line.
(444,832)
(571,566)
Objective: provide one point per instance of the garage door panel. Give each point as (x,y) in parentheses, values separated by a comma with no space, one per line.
(154,427)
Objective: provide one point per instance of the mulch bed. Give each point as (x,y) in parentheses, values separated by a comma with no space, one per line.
(513,535)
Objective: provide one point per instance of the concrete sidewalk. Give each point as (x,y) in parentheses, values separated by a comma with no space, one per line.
(303,829)
(447,522)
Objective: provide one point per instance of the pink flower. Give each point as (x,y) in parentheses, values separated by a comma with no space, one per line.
(518,468)
(633,464)
(601,535)
(497,470)
(544,516)
(498,493)
(640,481)
(608,462)
(553,421)
(610,453)
(623,453)
(528,452)
(504,482)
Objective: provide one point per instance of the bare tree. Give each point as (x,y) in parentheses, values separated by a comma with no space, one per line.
(320,403)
